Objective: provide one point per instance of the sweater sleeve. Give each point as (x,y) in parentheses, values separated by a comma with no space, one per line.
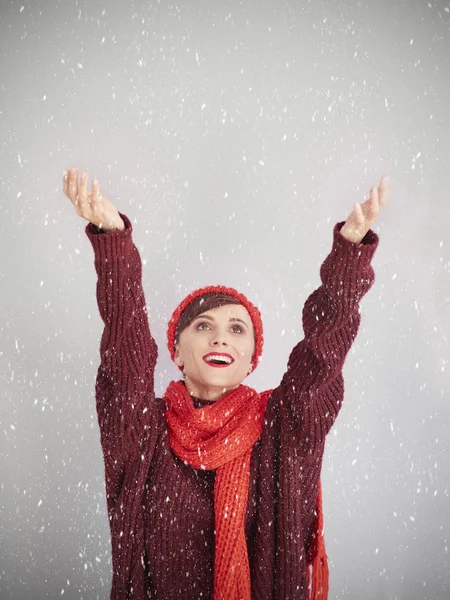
(125,397)
(312,388)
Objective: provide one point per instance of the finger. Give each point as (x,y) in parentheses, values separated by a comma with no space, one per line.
(73,184)
(66,182)
(96,198)
(374,204)
(82,191)
(384,190)
(97,202)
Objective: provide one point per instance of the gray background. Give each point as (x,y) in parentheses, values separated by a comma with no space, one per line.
(234,135)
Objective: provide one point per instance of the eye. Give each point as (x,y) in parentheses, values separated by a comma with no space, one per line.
(200,327)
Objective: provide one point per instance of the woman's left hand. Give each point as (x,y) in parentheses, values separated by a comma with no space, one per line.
(364,215)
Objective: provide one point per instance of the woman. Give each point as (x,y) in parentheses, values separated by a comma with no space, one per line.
(214,490)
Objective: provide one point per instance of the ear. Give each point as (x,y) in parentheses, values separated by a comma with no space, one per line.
(177,357)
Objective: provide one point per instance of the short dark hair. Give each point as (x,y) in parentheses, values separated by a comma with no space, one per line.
(200,305)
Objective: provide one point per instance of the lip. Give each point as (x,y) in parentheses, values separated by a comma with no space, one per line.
(218,354)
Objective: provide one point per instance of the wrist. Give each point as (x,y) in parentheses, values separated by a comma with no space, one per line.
(351,236)
(118,227)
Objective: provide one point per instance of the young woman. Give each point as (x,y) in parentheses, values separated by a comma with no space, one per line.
(213,491)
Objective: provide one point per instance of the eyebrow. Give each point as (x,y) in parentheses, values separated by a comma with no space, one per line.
(212,319)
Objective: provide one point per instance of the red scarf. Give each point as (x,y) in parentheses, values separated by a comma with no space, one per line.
(221,437)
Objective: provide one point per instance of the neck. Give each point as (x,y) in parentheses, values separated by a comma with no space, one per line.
(206,393)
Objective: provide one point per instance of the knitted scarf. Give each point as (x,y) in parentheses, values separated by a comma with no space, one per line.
(221,437)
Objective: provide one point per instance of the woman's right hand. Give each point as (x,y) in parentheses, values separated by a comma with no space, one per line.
(90,205)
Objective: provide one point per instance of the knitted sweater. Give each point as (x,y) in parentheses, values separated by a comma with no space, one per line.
(161,511)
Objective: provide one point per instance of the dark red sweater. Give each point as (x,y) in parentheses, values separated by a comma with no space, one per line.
(161,511)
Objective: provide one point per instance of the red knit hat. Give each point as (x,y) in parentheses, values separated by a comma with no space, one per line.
(252,310)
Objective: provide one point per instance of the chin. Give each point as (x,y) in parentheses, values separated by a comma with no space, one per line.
(217,379)
(222,382)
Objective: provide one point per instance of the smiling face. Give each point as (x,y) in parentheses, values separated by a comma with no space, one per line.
(225,331)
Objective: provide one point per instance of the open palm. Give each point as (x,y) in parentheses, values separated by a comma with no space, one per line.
(364,215)
(90,204)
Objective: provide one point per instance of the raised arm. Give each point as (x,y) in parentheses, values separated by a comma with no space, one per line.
(312,388)
(128,352)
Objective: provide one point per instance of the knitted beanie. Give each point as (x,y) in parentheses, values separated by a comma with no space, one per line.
(253,311)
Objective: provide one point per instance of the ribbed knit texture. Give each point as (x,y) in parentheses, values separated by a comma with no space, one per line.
(161,510)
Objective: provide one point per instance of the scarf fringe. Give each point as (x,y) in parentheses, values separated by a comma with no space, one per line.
(320,571)
(320,578)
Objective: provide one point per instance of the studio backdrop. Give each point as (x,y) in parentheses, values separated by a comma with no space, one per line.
(234,135)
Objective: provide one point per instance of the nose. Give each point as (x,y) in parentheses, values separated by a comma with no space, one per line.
(219,343)
(219,339)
